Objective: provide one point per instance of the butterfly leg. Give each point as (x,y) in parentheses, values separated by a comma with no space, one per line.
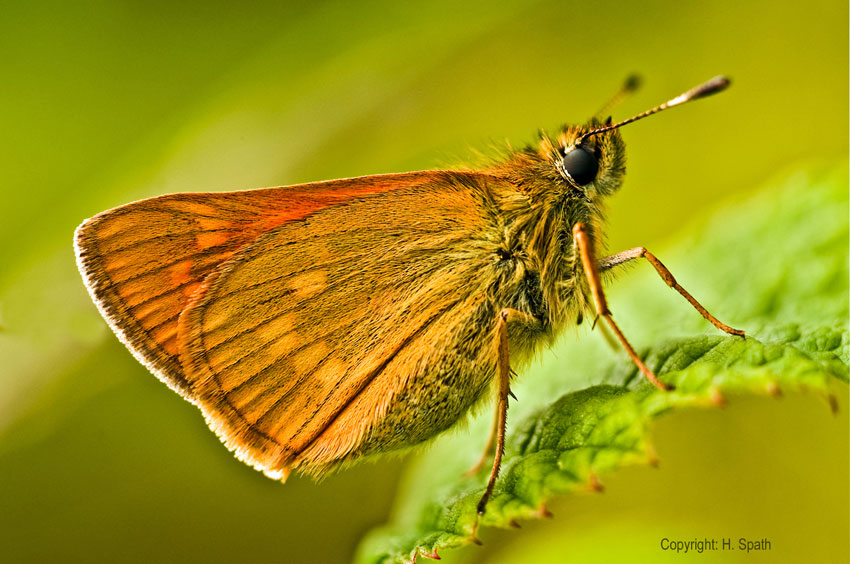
(641,252)
(584,245)
(504,390)
(494,431)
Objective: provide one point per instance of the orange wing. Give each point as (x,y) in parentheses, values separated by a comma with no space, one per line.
(143,261)
(310,324)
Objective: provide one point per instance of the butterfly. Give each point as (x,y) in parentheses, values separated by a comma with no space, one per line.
(320,323)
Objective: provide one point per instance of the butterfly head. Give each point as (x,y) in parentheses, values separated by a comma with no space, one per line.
(591,166)
(591,158)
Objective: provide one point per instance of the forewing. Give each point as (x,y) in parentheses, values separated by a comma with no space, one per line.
(142,262)
(300,342)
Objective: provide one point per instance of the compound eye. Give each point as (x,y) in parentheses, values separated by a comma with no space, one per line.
(581,165)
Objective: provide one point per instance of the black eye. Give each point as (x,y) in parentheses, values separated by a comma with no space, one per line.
(581,166)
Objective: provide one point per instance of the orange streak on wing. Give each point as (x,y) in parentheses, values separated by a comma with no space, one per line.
(207,239)
(180,273)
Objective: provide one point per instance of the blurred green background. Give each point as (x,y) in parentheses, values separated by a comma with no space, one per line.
(106,102)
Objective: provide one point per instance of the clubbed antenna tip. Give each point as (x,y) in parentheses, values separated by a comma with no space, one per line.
(712,86)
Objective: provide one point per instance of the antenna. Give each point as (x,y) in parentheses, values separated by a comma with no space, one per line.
(712,86)
(631,84)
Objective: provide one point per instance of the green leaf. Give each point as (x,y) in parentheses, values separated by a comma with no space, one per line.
(775,266)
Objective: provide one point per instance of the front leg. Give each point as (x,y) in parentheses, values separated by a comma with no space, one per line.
(584,246)
(641,252)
